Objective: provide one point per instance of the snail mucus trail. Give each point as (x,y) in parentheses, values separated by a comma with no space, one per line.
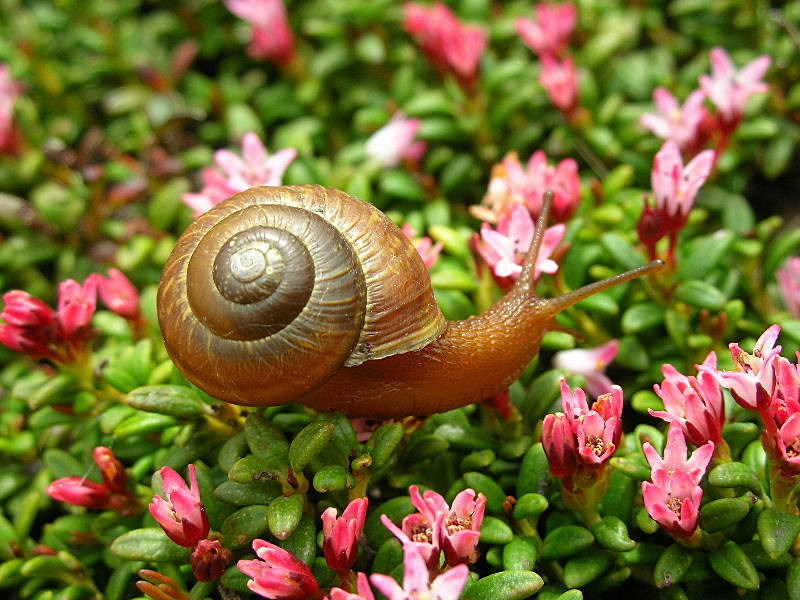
(307,294)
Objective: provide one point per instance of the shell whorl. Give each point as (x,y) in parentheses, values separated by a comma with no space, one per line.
(268,294)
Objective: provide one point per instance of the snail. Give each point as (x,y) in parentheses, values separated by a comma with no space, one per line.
(307,294)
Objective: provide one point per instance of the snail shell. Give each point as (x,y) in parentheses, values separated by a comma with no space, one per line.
(267,295)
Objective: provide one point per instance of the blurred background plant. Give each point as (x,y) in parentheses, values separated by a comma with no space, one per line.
(120,121)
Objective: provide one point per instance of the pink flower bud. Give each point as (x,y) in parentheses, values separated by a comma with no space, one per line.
(76,305)
(559,445)
(394,141)
(278,574)
(119,294)
(80,492)
(789,280)
(341,535)
(447,42)
(181,514)
(272,34)
(113,471)
(560,79)
(29,325)
(549,34)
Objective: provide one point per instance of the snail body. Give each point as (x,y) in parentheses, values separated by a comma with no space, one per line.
(307,294)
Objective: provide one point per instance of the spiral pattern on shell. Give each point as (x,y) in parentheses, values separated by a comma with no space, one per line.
(270,293)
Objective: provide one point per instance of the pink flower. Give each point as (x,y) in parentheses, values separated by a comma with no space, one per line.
(559,445)
(675,186)
(364,591)
(753,383)
(30,325)
(675,456)
(673,498)
(76,305)
(9,92)
(449,44)
(785,396)
(597,430)
(119,294)
(581,436)
(681,124)
(599,434)
(209,560)
(112,470)
(549,34)
(505,248)
(272,34)
(181,514)
(460,525)
(511,184)
(789,280)
(235,174)
(416,580)
(591,363)
(420,532)
(788,445)
(560,79)
(395,141)
(279,574)
(694,403)
(730,89)
(428,251)
(341,535)
(80,491)
(674,502)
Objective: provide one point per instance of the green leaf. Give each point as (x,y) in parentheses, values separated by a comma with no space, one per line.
(496,531)
(244,494)
(671,566)
(734,474)
(505,585)
(703,254)
(641,317)
(701,294)
(384,443)
(623,252)
(584,569)
(398,183)
(530,506)
(724,512)
(62,464)
(283,515)
(311,440)
(777,531)
(332,478)
(534,472)
(175,400)
(263,438)
(612,533)
(566,541)
(793,580)
(243,526)
(520,554)
(143,423)
(732,564)
(303,542)
(148,544)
